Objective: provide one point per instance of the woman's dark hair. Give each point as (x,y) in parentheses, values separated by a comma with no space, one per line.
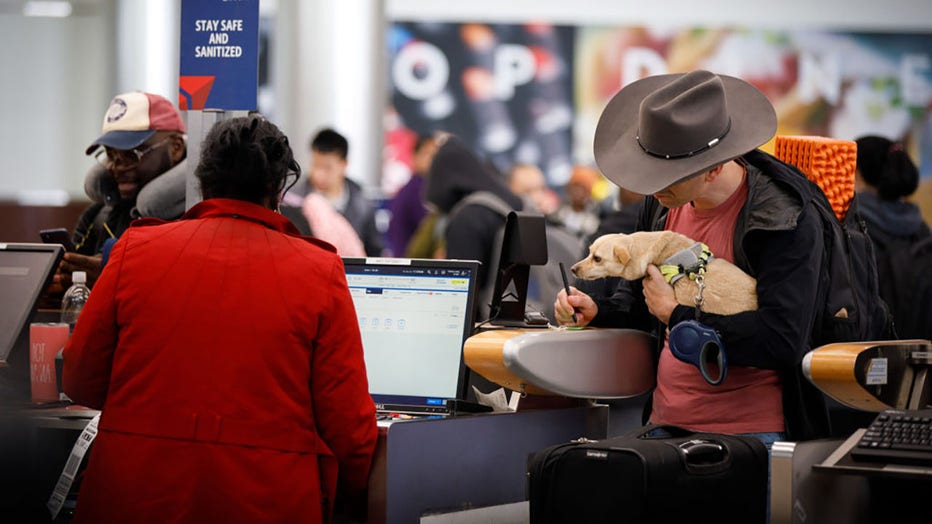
(885,166)
(245,158)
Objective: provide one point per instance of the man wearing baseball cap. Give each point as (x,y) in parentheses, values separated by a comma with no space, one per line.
(140,172)
(688,142)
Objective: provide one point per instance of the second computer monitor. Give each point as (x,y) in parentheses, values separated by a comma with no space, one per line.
(524,244)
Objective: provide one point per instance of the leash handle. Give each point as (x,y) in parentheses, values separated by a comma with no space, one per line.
(712,351)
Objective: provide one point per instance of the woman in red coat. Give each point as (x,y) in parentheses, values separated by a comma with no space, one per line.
(224,352)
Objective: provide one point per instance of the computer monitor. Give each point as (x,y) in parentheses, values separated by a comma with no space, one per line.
(414,316)
(25,271)
(524,243)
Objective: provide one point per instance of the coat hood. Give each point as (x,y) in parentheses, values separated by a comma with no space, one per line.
(897,218)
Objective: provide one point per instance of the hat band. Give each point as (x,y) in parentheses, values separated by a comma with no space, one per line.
(712,143)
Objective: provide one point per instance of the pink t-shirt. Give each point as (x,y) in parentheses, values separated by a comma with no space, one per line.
(749,400)
(330,226)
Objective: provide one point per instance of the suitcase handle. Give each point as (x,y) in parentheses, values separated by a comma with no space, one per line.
(700,455)
(703,452)
(704,456)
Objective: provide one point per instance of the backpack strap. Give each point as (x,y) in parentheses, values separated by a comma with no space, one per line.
(494,202)
(482,198)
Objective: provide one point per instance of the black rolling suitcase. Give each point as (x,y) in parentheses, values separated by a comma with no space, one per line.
(687,477)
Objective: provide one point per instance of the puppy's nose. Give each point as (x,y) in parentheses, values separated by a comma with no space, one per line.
(574,267)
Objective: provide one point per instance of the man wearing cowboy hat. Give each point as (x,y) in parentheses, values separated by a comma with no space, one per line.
(688,142)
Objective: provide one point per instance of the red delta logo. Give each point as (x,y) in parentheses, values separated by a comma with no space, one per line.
(193,91)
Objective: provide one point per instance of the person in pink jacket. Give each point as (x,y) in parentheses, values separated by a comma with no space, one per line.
(224,352)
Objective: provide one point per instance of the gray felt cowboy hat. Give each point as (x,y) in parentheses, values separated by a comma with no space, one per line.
(663,129)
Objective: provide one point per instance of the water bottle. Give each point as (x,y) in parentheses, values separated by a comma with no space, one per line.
(75,298)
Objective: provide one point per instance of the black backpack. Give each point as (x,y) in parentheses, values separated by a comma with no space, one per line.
(907,286)
(851,306)
(853,309)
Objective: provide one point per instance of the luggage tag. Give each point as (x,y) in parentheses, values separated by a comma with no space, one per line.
(699,345)
(70,471)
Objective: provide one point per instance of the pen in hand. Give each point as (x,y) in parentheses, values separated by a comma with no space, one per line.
(566,286)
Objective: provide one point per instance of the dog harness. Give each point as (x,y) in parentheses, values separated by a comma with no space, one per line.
(690,262)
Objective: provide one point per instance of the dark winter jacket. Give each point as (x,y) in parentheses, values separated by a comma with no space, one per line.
(891,222)
(897,230)
(360,213)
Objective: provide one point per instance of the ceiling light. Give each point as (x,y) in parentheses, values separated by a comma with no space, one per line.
(50,9)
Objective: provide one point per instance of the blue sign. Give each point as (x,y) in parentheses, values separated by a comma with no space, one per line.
(219,54)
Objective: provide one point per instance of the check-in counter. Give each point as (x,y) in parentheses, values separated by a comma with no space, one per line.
(818,481)
(442,465)
(438,465)
(427,466)
(589,363)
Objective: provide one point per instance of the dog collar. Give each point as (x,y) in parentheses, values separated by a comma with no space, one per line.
(689,262)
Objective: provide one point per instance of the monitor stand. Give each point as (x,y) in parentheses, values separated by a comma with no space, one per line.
(532,319)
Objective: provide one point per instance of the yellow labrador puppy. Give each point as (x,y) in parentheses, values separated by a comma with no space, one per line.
(728,289)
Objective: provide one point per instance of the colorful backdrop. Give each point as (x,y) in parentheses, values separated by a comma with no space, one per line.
(533,92)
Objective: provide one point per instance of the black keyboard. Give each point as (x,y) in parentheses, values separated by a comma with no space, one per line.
(897,437)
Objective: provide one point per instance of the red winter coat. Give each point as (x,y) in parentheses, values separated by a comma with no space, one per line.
(225,355)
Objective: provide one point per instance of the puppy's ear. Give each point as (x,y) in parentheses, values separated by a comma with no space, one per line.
(622,255)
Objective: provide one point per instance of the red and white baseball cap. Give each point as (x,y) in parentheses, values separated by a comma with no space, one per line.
(134,117)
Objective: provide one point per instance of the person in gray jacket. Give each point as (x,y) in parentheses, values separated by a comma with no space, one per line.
(327,176)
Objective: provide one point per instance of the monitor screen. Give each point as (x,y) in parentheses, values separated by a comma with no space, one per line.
(25,271)
(414,316)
